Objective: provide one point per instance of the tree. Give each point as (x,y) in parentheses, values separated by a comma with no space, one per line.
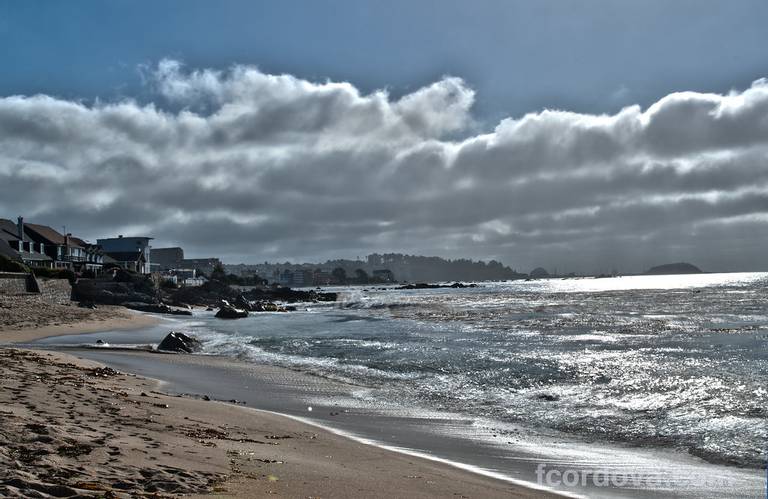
(361,276)
(218,273)
(340,275)
(8,265)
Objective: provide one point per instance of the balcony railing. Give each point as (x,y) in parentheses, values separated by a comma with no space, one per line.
(71,258)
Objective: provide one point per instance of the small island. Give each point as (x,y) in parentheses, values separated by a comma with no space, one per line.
(674,268)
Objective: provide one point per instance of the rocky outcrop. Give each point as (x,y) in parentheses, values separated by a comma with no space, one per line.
(289,295)
(110,292)
(241,302)
(265,306)
(156,308)
(212,293)
(179,342)
(423,285)
(227,311)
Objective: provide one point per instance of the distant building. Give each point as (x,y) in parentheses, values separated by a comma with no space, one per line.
(167,258)
(184,273)
(174,279)
(173,258)
(183,277)
(66,253)
(303,278)
(283,277)
(131,253)
(204,265)
(322,278)
(293,278)
(192,282)
(94,256)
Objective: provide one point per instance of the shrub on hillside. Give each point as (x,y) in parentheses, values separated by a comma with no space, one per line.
(8,265)
(168,285)
(56,274)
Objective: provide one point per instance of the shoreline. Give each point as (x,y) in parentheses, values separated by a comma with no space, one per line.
(286,393)
(130,321)
(446,438)
(477,470)
(385,469)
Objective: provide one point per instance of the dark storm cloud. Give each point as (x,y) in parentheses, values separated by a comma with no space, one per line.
(249,165)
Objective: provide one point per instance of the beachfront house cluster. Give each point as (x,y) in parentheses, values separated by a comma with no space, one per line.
(43,247)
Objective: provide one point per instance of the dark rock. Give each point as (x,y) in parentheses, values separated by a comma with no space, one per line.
(139,297)
(243,303)
(227,311)
(213,292)
(462,285)
(424,285)
(110,292)
(548,397)
(419,285)
(288,295)
(120,485)
(270,307)
(104,372)
(74,450)
(179,342)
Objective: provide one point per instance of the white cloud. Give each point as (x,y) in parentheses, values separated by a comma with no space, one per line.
(251,166)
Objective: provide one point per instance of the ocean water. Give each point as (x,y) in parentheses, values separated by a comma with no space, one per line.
(677,362)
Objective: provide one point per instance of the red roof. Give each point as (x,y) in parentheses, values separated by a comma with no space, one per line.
(50,235)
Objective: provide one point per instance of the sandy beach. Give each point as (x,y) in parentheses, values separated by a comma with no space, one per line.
(28,317)
(73,427)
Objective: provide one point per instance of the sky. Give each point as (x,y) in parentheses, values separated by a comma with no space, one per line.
(582,135)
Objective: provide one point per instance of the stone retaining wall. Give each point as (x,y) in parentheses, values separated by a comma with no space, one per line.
(51,290)
(55,290)
(13,283)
